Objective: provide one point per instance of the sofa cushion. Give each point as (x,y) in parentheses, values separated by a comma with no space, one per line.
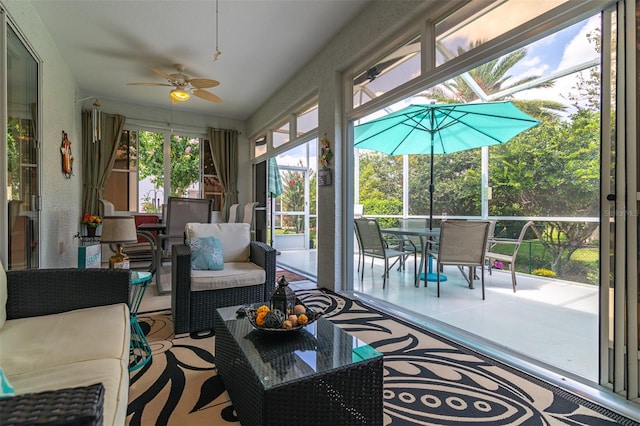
(49,341)
(3,295)
(235,238)
(112,373)
(206,254)
(235,274)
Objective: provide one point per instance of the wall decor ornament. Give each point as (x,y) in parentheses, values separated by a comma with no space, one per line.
(67,156)
(326,155)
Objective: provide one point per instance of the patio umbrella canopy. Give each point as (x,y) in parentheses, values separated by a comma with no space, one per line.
(442,129)
(275,188)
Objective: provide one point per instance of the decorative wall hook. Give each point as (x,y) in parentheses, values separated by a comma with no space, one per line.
(67,156)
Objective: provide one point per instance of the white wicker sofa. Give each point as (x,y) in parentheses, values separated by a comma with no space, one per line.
(248,275)
(64,346)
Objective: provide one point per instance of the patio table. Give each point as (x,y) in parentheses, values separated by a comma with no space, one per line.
(425,234)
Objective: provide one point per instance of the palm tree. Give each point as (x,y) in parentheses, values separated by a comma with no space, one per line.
(492,77)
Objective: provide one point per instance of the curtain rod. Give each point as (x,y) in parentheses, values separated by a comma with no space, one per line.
(167,126)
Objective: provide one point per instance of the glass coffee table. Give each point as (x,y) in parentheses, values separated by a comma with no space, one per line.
(317,375)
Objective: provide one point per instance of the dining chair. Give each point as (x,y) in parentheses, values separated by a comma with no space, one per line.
(248,216)
(507,258)
(233,213)
(373,245)
(462,243)
(180,211)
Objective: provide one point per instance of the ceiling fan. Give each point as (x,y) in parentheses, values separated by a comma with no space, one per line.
(184,86)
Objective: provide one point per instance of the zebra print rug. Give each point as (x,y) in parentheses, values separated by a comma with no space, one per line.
(427,380)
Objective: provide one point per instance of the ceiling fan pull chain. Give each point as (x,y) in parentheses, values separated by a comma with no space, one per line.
(217,53)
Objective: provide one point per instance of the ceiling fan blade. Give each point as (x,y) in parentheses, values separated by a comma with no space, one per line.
(160,73)
(207,95)
(149,84)
(203,83)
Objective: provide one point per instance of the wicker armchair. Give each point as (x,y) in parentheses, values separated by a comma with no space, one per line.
(195,310)
(49,291)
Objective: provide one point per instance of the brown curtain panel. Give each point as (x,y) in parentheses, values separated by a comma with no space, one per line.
(98,157)
(224,150)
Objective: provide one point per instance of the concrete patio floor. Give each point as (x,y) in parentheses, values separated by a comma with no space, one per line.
(547,322)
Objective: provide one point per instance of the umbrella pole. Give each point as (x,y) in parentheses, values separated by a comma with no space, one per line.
(430,275)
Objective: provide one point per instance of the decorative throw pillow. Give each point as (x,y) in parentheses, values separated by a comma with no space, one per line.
(5,388)
(206,254)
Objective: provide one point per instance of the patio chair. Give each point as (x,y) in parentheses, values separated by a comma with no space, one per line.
(462,243)
(507,258)
(248,216)
(373,245)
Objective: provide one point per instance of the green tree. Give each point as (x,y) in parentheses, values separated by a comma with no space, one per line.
(185,161)
(553,170)
(381,184)
(292,198)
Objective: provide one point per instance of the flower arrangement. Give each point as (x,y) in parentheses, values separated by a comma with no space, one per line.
(91,221)
(541,272)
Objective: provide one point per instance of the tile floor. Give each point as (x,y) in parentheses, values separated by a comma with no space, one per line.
(550,321)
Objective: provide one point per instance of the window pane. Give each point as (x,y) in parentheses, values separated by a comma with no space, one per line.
(475,24)
(127,153)
(151,179)
(396,69)
(307,120)
(185,166)
(281,135)
(260,145)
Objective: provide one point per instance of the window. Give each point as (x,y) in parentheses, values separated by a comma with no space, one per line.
(401,66)
(459,32)
(281,135)
(307,120)
(260,146)
(138,182)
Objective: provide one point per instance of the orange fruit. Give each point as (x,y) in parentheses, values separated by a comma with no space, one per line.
(263,308)
(302,319)
(260,319)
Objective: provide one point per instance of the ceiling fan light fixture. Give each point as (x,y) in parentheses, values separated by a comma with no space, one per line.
(179,95)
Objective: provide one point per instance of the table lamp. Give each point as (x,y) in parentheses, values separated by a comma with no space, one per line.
(118,230)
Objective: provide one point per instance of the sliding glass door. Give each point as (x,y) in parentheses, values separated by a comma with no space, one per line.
(22,153)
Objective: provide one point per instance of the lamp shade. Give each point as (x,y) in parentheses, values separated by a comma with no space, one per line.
(118,229)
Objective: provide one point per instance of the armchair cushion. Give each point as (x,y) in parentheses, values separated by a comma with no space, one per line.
(235,274)
(206,254)
(235,238)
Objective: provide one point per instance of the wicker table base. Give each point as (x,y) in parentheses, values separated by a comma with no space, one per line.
(317,376)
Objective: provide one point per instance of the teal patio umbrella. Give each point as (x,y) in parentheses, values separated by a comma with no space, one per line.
(274,187)
(442,129)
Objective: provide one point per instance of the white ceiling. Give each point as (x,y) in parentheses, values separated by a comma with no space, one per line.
(109,43)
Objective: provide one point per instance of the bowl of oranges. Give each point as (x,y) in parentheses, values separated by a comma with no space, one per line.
(263,318)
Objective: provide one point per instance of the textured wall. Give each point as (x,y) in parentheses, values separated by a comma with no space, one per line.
(60,196)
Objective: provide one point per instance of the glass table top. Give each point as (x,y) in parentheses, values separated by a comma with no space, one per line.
(138,277)
(278,358)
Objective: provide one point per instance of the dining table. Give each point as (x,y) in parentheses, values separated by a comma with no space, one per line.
(427,236)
